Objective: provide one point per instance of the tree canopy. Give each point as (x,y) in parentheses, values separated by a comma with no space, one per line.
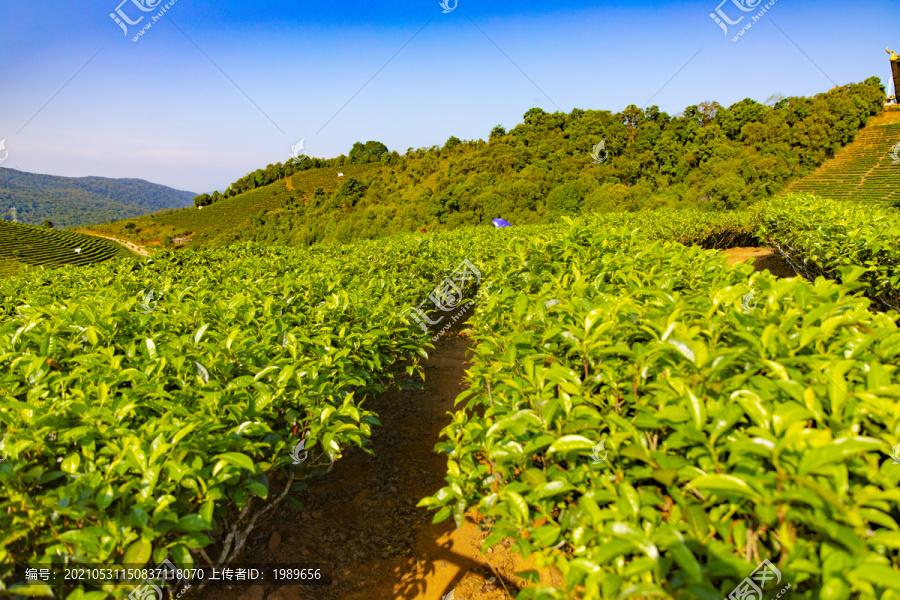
(709,156)
(361,153)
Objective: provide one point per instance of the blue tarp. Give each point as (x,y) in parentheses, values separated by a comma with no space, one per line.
(501,223)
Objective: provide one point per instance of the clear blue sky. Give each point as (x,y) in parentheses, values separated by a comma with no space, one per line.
(80,98)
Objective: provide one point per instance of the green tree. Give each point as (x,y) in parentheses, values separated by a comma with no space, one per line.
(361,153)
(350,192)
(632,117)
(534,113)
(318,198)
(453,142)
(726,192)
(565,200)
(202,200)
(48,224)
(733,118)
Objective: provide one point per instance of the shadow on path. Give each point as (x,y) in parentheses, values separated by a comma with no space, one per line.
(362,516)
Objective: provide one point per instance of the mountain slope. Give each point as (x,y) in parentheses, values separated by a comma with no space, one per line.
(864,171)
(549,166)
(24,245)
(230,218)
(71,201)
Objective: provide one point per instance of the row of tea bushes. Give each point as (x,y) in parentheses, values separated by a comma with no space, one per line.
(852,242)
(742,418)
(145,404)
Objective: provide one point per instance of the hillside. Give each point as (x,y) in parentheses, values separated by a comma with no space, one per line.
(551,165)
(74,201)
(864,171)
(23,246)
(230,218)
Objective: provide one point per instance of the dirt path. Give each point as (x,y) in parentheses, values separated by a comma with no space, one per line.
(763,258)
(362,517)
(131,246)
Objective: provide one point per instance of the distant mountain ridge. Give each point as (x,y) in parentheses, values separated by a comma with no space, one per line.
(75,201)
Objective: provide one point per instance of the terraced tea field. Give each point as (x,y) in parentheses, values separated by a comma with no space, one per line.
(234,213)
(864,170)
(27,245)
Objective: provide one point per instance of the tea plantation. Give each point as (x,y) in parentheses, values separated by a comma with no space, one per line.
(36,246)
(864,171)
(730,436)
(229,218)
(149,407)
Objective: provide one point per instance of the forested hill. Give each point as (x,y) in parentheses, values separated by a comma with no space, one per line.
(70,201)
(550,165)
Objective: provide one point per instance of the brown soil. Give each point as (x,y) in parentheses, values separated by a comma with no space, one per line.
(362,516)
(762,259)
(130,245)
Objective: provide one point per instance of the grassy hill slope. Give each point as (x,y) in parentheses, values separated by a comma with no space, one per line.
(74,201)
(229,219)
(864,170)
(22,246)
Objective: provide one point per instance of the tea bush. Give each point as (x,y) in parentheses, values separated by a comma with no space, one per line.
(149,407)
(145,404)
(745,418)
(823,237)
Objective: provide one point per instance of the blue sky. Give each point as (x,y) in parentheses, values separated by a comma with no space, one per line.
(214,90)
